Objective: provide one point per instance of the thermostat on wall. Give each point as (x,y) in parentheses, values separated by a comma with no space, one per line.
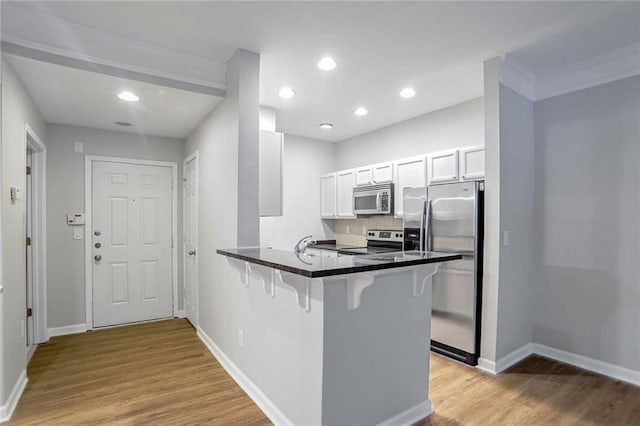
(75,219)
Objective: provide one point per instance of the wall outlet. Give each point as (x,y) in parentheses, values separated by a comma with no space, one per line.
(22,328)
(241,338)
(364,230)
(77,234)
(348,229)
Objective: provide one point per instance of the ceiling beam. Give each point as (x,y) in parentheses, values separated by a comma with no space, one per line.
(87,65)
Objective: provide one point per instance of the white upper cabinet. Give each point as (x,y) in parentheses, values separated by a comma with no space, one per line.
(345,183)
(472,163)
(364,176)
(382,173)
(410,173)
(374,175)
(443,166)
(328,200)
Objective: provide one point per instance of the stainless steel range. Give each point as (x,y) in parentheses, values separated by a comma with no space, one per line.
(379,241)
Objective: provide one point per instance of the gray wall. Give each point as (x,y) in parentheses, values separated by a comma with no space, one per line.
(282,351)
(17,109)
(65,194)
(587,294)
(460,125)
(516,216)
(305,161)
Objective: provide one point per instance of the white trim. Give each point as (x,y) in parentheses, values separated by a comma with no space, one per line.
(586,363)
(517,77)
(514,357)
(6,410)
(192,156)
(68,329)
(410,415)
(30,351)
(265,404)
(611,66)
(487,366)
(39,233)
(88,173)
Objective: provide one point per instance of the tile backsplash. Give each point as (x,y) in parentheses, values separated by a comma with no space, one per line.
(353,231)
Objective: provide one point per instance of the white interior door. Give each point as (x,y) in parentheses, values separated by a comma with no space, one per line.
(190,238)
(131,243)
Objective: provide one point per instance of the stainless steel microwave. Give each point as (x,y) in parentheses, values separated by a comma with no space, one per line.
(373,199)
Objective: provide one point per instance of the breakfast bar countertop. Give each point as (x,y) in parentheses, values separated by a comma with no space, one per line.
(318,266)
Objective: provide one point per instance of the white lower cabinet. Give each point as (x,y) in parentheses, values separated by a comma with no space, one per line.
(345,183)
(472,163)
(328,197)
(410,173)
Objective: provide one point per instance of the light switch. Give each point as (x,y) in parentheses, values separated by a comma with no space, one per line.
(77,233)
(78,147)
(505,238)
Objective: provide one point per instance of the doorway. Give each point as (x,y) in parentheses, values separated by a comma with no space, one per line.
(190,232)
(131,224)
(35,241)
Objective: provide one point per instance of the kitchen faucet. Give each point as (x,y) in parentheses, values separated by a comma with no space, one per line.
(305,242)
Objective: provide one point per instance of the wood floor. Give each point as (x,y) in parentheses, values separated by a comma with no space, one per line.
(160,373)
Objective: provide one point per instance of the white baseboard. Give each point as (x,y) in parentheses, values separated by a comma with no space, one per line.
(514,357)
(6,410)
(30,351)
(68,329)
(487,366)
(265,404)
(580,361)
(181,314)
(410,415)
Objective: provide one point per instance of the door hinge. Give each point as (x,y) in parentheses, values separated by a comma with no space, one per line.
(28,241)
(28,170)
(29,312)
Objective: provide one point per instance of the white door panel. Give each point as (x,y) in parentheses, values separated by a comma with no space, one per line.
(132,224)
(190,218)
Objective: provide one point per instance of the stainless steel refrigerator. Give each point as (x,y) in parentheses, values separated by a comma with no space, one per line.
(449,218)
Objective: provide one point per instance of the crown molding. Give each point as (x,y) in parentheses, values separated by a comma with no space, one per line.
(611,66)
(517,77)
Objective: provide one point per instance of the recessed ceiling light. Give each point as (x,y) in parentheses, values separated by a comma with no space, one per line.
(407,92)
(286,92)
(123,123)
(326,126)
(128,96)
(360,111)
(327,63)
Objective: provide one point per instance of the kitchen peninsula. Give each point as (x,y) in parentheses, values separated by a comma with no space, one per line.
(373,331)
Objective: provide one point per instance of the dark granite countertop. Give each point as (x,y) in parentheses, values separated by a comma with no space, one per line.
(319,266)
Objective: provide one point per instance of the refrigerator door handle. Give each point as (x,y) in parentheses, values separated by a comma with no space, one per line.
(428,228)
(422,246)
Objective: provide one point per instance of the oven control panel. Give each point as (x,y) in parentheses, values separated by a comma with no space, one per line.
(385,235)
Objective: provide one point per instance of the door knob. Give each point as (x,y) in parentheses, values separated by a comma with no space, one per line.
(97,257)
(192,252)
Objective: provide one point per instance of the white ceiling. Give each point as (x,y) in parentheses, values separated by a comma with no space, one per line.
(436,47)
(83,98)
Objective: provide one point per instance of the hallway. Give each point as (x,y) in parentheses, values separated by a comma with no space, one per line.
(156,372)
